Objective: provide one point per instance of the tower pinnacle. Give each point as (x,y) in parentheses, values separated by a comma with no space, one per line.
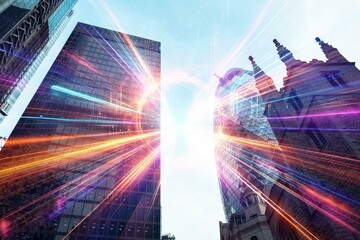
(264,83)
(284,54)
(251,60)
(331,53)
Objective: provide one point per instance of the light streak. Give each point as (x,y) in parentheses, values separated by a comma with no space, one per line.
(83,62)
(76,154)
(334,205)
(236,52)
(262,146)
(79,184)
(93,99)
(304,231)
(100,147)
(148,76)
(324,90)
(81,120)
(127,69)
(153,199)
(322,129)
(327,114)
(123,183)
(330,203)
(303,178)
(123,63)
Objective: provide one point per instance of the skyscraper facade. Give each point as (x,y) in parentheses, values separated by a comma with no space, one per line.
(245,147)
(86,150)
(28,29)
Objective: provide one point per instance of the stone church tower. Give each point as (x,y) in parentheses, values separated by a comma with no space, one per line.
(315,117)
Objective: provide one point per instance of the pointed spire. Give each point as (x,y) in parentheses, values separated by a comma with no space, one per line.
(263,82)
(251,60)
(256,68)
(319,41)
(331,53)
(285,55)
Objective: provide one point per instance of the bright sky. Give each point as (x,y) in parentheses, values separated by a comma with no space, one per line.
(199,38)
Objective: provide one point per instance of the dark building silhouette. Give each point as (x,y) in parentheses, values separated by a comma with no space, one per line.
(168,237)
(315,119)
(309,187)
(84,161)
(27,30)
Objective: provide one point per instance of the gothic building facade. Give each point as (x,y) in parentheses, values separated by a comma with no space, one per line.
(315,118)
(296,150)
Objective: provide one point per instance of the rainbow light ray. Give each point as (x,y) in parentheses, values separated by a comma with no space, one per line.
(90,98)
(124,183)
(90,150)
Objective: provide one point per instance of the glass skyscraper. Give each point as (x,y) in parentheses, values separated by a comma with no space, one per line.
(239,115)
(86,151)
(28,29)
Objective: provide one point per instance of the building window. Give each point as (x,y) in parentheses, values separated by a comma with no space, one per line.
(254,238)
(295,102)
(315,134)
(251,199)
(334,78)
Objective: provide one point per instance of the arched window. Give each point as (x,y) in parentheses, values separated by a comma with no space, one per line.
(254,238)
